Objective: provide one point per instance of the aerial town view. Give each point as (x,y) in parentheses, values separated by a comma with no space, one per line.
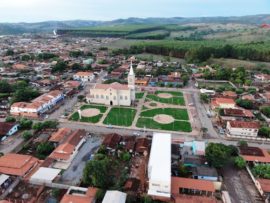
(135,102)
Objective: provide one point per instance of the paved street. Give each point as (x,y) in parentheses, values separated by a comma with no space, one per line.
(73,174)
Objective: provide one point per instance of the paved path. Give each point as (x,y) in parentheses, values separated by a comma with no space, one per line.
(139,109)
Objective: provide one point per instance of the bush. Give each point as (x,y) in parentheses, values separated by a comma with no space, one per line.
(25,123)
(266,111)
(27,135)
(240,162)
(10,119)
(264,132)
(125,156)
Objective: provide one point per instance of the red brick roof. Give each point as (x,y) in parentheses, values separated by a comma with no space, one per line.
(188,183)
(5,128)
(238,112)
(265,184)
(244,124)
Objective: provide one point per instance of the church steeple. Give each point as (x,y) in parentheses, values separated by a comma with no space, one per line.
(131,82)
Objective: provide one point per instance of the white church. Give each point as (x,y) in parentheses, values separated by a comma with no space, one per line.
(114,94)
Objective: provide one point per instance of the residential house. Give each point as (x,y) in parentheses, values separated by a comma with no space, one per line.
(229,94)
(142,146)
(223,103)
(243,128)
(112,141)
(84,76)
(59,136)
(235,114)
(38,106)
(17,164)
(80,195)
(8,129)
(255,155)
(66,151)
(262,77)
(204,173)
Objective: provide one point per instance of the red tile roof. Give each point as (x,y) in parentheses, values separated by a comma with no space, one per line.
(245,124)
(17,164)
(114,85)
(238,112)
(189,183)
(260,155)
(89,197)
(265,184)
(5,128)
(194,199)
(60,135)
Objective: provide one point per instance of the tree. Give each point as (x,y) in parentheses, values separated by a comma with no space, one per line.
(5,87)
(25,123)
(217,154)
(9,52)
(60,67)
(24,95)
(247,104)
(10,119)
(27,135)
(125,156)
(240,162)
(44,149)
(266,111)
(183,171)
(96,173)
(242,143)
(264,132)
(204,98)
(261,171)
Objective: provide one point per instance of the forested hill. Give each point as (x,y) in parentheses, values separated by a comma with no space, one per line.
(49,26)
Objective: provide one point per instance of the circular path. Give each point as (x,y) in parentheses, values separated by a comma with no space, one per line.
(90,112)
(163,119)
(165,95)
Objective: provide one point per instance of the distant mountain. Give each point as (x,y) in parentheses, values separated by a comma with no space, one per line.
(49,26)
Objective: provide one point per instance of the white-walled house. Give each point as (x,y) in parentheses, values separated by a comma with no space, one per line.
(159,166)
(38,106)
(8,129)
(84,76)
(243,128)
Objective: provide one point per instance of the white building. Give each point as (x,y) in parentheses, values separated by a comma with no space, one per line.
(115,93)
(84,76)
(114,196)
(243,128)
(159,166)
(44,175)
(37,106)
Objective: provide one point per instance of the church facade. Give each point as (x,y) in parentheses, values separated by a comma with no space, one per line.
(114,94)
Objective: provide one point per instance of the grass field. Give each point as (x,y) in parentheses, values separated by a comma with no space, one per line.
(120,116)
(178,114)
(139,95)
(183,126)
(214,85)
(177,98)
(94,119)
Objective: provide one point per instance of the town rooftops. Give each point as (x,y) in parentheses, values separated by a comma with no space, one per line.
(65,150)
(194,199)
(111,140)
(60,134)
(219,100)
(193,184)
(265,184)
(255,154)
(115,85)
(17,164)
(238,113)
(83,74)
(5,127)
(245,124)
(79,195)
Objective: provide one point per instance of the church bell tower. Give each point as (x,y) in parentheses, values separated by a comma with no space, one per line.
(131,83)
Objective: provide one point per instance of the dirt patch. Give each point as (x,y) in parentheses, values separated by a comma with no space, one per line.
(165,95)
(90,112)
(163,119)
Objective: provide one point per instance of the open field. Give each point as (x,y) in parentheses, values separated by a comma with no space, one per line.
(214,85)
(176,98)
(120,116)
(90,119)
(178,114)
(183,126)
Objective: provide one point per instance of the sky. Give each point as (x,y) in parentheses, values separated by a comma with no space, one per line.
(44,10)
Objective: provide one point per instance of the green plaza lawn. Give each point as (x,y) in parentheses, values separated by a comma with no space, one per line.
(177,125)
(139,95)
(120,116)
(178,114)
(94,119)
(181,122)
(176,99)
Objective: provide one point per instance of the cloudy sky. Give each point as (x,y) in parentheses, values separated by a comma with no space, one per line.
(42,10)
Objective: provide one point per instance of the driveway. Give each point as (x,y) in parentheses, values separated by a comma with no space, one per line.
(240,186)
(73,174)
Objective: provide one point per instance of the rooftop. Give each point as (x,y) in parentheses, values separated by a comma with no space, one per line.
(77,195)
(245,124)
(194,199)
(115,85)
(60,134)
(5,127)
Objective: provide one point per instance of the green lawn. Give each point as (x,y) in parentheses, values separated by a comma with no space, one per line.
(94,119)
(89,106)
(178,114)
(120,116)
(139,95)
(183,126)
(174,100)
